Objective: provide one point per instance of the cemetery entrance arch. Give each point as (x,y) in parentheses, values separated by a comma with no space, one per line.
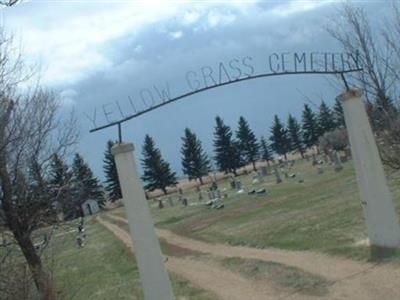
(381,219)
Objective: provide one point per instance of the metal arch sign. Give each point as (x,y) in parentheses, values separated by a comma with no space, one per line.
(234,71)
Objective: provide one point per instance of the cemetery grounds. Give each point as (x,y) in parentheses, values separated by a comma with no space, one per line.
(300,240)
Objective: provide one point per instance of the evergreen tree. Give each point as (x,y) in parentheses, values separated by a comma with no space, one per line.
(85,185)
(110,169)
(247,143)
(295,135)
(265,152)
(310,127)
(36,188)
(280,142)
(60,183)
(326,120)
(157,172)
(195,163)
(227,155)
(384,112)
(59,173)
(338,114)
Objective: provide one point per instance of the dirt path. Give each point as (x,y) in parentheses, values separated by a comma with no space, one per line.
(225,284)
(353,280)
(328,267)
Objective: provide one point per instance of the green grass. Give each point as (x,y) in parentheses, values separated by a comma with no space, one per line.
(167,249)
(103,269)
(322,214)
(289,278)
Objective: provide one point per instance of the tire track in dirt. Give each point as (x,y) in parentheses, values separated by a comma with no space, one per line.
(329,267)
(353,279)
(225,284)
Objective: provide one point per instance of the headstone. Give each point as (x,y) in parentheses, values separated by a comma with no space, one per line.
(260,177)
(320,170)
(314,160)
(277,175)
(238,185)
(80,239)
(332,157)
(232,182)
(214,186)
(180,191)
(264,171)
(338,163)
(170,201)
(285,173)
(261,191)
(185,202)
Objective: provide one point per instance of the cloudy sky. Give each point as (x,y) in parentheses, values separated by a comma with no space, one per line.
(98,53)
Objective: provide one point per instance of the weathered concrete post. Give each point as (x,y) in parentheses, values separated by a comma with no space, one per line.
(154,277)
(381,218)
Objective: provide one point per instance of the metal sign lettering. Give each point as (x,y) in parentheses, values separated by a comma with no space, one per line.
(224,73)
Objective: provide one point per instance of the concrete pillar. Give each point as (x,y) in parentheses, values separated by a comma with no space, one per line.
(380,215)
(154,277)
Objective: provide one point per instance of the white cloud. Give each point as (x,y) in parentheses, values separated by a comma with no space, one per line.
(216,18)
(68,97)
(175,35)
(297,6)
(74,46)
(190,17)
(71,39)
(138,49)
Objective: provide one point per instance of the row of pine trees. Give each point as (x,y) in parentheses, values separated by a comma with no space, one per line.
(73,185)
(232,150)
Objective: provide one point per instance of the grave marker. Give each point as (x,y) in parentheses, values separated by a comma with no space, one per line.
(277,175)
(264,171)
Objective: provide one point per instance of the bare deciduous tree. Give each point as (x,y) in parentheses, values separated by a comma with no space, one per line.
(354,32)
(31,131)
(379,55)
(9,2)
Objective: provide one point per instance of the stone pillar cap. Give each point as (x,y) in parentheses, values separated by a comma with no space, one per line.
(352,93)
(122,148)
